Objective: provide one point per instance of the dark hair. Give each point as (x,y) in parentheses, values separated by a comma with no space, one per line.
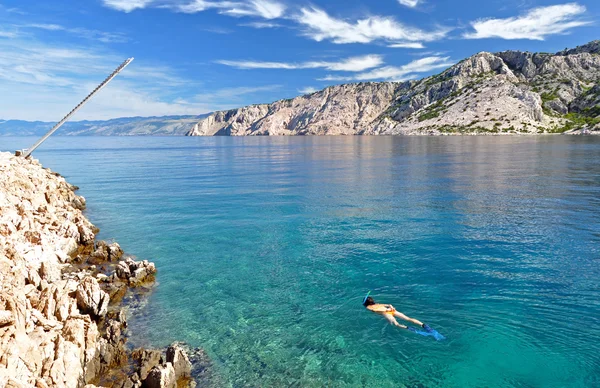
(369,301)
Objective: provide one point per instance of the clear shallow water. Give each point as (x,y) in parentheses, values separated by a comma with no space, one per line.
(266,247)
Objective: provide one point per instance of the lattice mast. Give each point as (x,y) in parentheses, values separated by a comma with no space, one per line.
(122,66)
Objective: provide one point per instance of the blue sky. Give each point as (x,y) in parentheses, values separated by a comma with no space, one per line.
(197,56)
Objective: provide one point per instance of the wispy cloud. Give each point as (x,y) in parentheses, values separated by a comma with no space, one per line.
(315,22)
(102,36)
(47,27)
(398,73)
(415,45)
(262,25)
(429,53)
(308,90)
(218,30)
(12,10)
(349,64)
(321,26)
(231,95)
(536,24)
(8,34)
(409,3)
(266,9)
(46,81)
(127,5)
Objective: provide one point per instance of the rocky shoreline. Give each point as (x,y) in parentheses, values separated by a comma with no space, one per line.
(62,315)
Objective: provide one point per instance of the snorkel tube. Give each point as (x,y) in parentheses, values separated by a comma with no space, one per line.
(366,296)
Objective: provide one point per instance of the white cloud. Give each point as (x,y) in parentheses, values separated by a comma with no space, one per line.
(355,63)
(266,9)
(536,24)
(409,3)
(261,25)
(127,5)
(415,45)
(350,64)
(398,73)
(48,27)
(316,23)
(308,90)
(320,26)
(46,81)
(429,53)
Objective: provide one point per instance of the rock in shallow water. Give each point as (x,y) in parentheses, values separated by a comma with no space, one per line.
(135,272)
(181,363)
(161,376)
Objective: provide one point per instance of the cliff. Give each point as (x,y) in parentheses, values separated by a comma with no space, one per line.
(506,92)
(61,312)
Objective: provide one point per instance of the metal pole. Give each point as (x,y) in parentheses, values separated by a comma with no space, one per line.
(81,104)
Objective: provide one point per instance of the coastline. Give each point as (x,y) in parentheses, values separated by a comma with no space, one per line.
(62,310)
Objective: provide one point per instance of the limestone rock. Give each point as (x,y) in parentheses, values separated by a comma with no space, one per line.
(79,203)
(50,272)
(51,304)
(180,361)
(161,376)
(506,92)
(334,110)
(6,318)
(135,272)
(146,360)
(114,251)
(91,299)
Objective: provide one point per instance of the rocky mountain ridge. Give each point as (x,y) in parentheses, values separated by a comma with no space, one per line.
(126,126)
(505,92)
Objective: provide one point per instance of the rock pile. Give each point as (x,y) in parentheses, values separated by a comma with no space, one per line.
(61,322)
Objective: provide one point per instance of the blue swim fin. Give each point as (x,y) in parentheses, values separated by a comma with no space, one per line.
(429,332)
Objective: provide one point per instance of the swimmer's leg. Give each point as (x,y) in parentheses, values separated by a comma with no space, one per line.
(404,317)
(393,321)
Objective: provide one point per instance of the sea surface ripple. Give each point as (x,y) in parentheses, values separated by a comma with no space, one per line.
(266,246)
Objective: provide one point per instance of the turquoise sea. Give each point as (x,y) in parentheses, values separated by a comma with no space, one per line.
(266,246)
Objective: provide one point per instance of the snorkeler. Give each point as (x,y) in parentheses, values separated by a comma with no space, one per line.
(390,313)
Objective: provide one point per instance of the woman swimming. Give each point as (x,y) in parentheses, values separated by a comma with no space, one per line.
(390,313)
